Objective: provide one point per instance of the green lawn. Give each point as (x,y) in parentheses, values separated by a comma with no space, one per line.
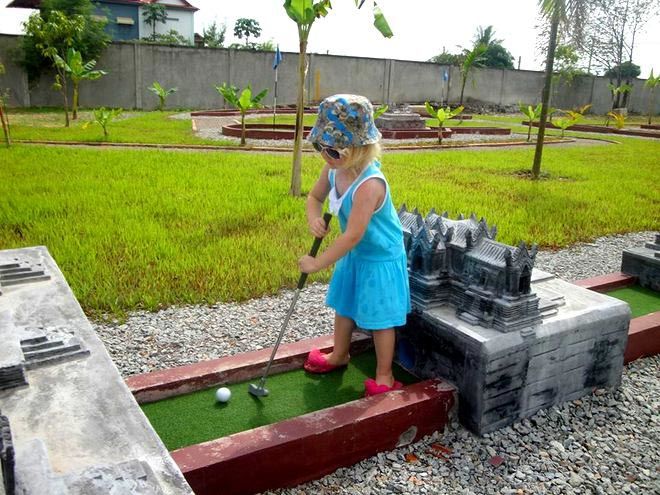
(131,127)
(148,228)
(196,417)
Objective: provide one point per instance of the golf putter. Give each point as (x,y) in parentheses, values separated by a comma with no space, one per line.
(260,390)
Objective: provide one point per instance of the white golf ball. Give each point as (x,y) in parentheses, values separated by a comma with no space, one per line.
(223,394)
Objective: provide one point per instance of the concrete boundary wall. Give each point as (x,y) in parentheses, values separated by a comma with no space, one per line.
(195,72)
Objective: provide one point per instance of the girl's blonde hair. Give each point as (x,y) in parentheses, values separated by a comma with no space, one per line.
(359,157)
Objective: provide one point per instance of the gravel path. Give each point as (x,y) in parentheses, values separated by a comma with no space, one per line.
(606,443)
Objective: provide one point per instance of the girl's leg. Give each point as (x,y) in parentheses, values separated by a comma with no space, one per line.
(384,341)
(343,331)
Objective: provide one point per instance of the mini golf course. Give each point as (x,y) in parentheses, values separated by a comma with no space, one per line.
(197,417)
(308,426)
(641,300)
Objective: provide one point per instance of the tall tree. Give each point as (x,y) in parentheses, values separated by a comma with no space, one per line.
(154,13)
(304,13)
(612,33)
(214,35)
(4,96)
(55,37)
(471,58)
(244,28)
(90,41)
(571,15)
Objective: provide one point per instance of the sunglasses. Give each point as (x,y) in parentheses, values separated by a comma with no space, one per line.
(333,153)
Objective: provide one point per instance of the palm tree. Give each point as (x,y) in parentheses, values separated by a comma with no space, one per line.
(154,13)
(651,83)
(304,13)
(471,58)
(571,14)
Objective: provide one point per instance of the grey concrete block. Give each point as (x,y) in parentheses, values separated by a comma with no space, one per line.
(503,377)
(77,416)
(644,263)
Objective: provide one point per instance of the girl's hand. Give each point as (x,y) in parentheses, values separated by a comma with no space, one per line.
(307,264)
(317,228)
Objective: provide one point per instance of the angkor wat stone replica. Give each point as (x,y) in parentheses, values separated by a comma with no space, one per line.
(459,262)
(513,340)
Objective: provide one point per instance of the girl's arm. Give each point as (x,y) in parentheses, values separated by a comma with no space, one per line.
(314,206)
(368,197)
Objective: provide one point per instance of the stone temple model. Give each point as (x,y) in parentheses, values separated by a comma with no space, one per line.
(512,339)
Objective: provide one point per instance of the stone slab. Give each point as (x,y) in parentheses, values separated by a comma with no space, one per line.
(80,411)
(644,264)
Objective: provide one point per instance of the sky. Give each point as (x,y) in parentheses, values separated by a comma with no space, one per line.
(421,28)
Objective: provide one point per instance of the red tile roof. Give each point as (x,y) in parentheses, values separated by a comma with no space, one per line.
(34,4)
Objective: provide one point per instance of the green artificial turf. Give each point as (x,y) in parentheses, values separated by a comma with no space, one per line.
(642,301)
(197,417)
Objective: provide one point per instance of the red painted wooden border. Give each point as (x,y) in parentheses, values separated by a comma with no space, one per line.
(607,282)
(157,385)
(643,337)
(602,130)
(286,131)
(307,447)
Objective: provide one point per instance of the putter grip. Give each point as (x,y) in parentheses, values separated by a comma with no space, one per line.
(315,249)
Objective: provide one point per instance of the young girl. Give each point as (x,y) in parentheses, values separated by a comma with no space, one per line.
(369,286)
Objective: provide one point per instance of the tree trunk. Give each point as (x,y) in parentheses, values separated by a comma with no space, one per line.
(651,105)
(296,171)
(242,128)
(463,81)
(66,101)
(74,112)
(552,45)
(5,125)
(529,131)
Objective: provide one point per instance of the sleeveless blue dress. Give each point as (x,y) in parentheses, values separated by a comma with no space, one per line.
(370,282)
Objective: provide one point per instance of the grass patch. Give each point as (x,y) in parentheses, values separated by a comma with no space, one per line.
(642,301)
(197,417)
(147,228)
(130,127)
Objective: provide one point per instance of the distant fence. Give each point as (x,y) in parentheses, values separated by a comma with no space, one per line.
(132,67)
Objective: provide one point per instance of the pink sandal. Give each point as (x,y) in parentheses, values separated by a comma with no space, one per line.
(372,388)
(318,363)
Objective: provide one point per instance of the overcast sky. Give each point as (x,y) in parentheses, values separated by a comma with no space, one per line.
(421,27)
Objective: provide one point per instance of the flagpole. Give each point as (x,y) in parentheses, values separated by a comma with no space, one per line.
(275,99)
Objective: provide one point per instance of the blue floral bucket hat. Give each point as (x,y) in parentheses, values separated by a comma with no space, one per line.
(343,121)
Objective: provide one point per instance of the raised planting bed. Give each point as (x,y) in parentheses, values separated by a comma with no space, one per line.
(265,110)
(655,127)
(602,129)
(644,329)
(488,131)
(286,131)
(308,426)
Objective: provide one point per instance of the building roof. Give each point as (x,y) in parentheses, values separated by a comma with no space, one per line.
(172,4)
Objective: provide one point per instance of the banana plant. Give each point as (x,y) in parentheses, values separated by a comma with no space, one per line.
(619,119)
(243,102)
(442,114)
(615,90)
(532,113)
(569,119)
(380,111)
(4,119)
(78,71)
(102,117)
(161,93)
(651,84)
(304,13)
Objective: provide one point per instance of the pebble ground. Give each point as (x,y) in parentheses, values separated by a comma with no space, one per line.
(604,443)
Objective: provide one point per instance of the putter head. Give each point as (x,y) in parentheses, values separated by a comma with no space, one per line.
(257,391)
